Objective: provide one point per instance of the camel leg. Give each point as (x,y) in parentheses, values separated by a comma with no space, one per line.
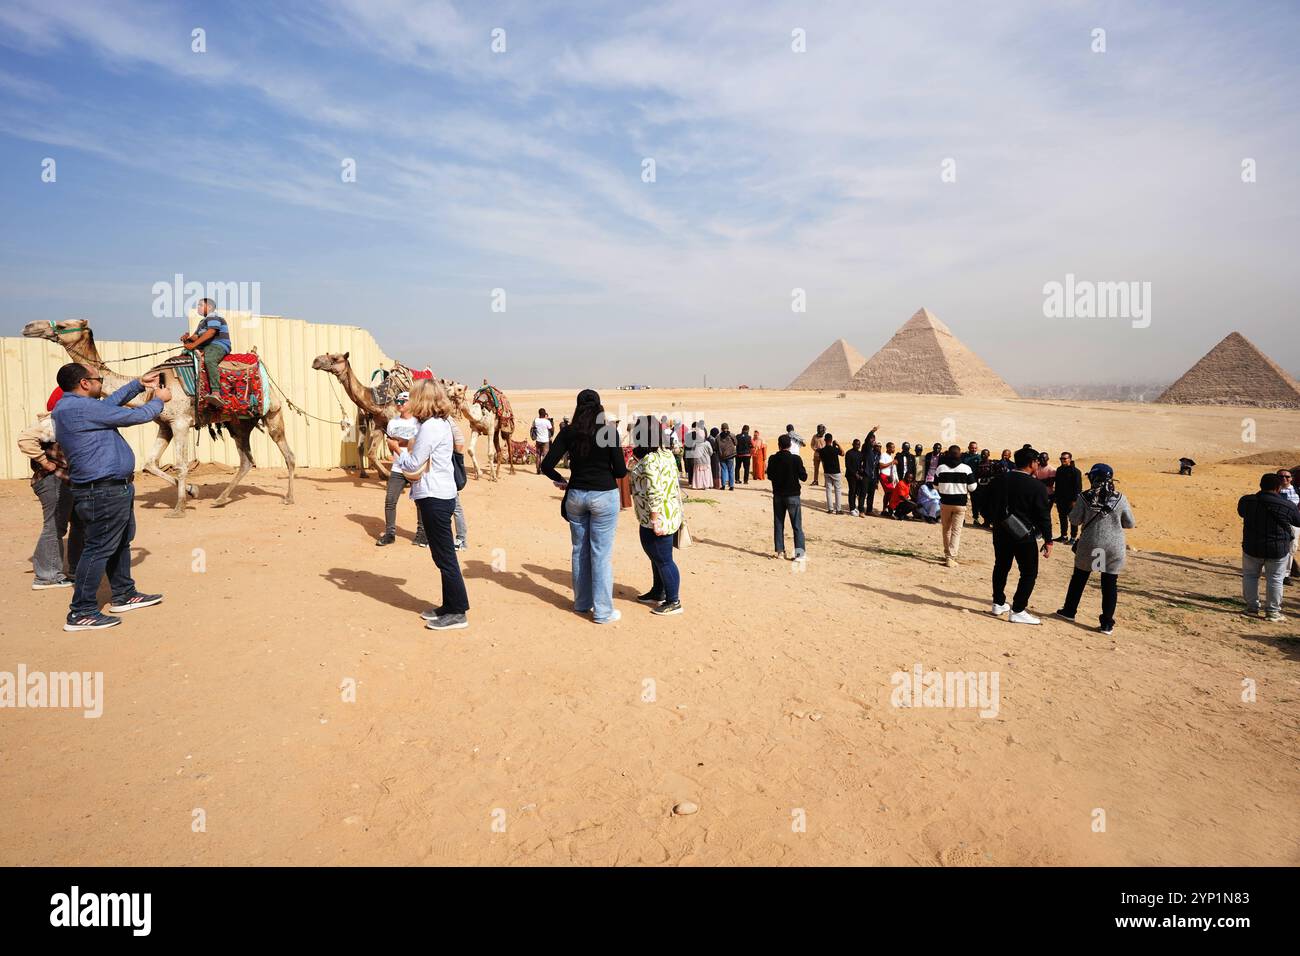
(274,420)
(510,455)
(181,436)
(473,440)
(494,461)
(363,449)
(377,446)
(241,429)
(159,446)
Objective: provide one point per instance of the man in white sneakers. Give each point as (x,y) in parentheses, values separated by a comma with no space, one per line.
(1021,513)
(955,481)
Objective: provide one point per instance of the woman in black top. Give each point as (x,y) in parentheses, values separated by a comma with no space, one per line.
(590,502)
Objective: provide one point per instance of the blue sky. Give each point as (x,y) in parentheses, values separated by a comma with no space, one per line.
(775,170)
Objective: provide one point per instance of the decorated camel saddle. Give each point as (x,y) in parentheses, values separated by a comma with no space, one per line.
(386,385)
(243,386)
(494,400)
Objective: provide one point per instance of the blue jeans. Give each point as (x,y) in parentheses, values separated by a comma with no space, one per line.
(659,549)
(593,518)
(1274,571)
(728,472)
(107,513)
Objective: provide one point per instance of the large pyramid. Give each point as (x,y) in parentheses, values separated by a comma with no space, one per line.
(834,368)
(1235,372)
(924,357)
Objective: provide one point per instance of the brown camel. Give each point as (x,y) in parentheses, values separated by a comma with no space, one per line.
(482,421)
(176,418)
(374,417)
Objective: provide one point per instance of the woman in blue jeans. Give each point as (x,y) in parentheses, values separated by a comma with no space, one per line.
(656,495)
(590,502)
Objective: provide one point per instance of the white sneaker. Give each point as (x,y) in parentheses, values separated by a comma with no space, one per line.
(1024,617)
(615,616)
(854,512)
(1000,609)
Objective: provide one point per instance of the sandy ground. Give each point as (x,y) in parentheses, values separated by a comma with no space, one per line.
(529,738)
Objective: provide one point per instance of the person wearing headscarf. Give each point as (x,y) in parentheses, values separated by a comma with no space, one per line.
(1102,514)
(760,457)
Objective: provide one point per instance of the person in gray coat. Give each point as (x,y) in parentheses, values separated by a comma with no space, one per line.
(1102,514)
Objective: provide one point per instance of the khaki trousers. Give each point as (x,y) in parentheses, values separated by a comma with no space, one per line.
(950,521)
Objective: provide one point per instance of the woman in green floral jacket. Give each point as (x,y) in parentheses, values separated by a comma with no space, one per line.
(657,499)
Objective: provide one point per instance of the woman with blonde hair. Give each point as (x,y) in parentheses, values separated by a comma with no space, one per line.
(429,466)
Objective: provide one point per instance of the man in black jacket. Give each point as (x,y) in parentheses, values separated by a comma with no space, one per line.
(744,451)
(853,460)
(1069,485)
(1019,497)
(1266,541)
(785,470)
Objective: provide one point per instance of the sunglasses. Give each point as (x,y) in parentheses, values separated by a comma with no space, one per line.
(89,378)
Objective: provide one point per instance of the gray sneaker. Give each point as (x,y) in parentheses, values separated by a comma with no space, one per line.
(1277,617)
(448,622)
(432,614)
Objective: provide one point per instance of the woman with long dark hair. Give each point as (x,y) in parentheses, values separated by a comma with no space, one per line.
(591,502)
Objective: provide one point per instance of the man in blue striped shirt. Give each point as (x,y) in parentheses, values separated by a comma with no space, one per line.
(212,336)
(101,469)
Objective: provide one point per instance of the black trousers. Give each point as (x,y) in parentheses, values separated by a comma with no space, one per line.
(436,514)
(976,501)
(871,496)
(1063,509)
(1109,595)
(857,493)
(742,468)
(1025,556)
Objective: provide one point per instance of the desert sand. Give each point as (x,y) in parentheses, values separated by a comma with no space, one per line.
(529,738)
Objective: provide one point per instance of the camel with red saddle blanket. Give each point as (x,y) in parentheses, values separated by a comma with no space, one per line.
(248,405)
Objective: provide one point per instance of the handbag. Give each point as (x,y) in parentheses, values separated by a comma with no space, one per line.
(564,505)
(1015,528)
(458,470)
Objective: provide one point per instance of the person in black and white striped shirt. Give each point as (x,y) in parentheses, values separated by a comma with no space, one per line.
(955,482)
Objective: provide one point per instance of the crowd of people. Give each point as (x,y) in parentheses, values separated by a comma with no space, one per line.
(83,475)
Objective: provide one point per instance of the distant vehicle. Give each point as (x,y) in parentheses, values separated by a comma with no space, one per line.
(742,386)
(632,388)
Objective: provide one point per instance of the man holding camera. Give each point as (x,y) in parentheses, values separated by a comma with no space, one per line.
(101,469)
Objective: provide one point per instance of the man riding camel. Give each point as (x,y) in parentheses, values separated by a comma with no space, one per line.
(212,335)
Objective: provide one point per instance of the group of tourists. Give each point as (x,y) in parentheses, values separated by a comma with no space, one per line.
(83,476)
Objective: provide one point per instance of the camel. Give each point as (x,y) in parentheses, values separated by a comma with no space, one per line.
(481,421)
(176,418)
(373,423)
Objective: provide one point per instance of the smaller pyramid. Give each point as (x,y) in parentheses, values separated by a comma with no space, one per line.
(924,357)
(834,368)
(1235,372)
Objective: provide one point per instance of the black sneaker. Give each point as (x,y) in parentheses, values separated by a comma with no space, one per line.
(420,541)
(386,538)
(667,607)
(135,602)
(448,622)
(650,597)
(1062,613)
(94,621)
(1107,629)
